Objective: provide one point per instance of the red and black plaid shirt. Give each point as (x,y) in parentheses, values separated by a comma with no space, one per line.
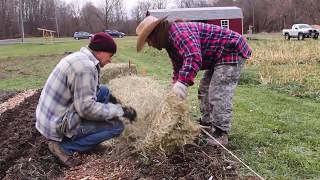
(199,46)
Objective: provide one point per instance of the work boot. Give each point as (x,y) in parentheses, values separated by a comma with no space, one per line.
(220,136)
(66,159)
(105,146)
(206,126)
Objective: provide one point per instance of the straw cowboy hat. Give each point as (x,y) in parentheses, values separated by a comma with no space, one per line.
(145,28)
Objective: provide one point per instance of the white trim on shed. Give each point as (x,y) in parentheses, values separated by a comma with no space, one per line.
(225,23)
(194,14)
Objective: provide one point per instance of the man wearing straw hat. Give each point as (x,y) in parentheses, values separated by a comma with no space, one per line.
(75,113)
(194,46)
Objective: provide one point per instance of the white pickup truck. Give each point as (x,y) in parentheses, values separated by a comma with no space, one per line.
(300,31)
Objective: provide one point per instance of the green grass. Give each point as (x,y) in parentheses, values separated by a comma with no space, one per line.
(278,135)
(292,67)
(156,63)
(27,66)
(37,49)
(21,73)
(273,132)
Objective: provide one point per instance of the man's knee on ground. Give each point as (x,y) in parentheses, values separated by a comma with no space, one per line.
(119,128)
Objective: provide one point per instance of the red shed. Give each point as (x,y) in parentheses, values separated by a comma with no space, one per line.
(228,17)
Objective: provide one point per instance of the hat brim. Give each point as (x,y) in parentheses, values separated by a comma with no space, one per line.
(142,37)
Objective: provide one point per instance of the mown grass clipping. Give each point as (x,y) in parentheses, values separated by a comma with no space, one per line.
(163,123)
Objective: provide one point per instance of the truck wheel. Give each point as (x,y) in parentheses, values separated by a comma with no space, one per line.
(287,36)
(300,36)
(316,36)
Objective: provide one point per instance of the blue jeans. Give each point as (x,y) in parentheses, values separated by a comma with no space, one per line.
(91,133)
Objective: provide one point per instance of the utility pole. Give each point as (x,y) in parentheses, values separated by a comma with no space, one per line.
(21,21)
(57,27)
(253,28)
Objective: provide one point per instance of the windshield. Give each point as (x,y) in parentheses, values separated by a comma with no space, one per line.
(304,26)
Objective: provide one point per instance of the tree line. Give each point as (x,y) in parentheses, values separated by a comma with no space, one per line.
(79,15)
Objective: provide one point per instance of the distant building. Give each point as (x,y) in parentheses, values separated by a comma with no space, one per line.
(227,17)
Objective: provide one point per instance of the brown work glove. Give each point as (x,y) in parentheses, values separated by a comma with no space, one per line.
(114,100)
(130,113)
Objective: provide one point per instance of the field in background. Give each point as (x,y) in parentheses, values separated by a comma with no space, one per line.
(276,117)
(291,66)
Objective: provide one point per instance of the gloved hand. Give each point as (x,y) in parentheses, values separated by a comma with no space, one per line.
(114,100)
(180,90)
(130,113)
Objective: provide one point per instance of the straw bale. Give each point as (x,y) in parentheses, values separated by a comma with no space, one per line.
(115,70)
(164,123)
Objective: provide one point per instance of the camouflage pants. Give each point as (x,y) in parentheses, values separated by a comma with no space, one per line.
(215,94)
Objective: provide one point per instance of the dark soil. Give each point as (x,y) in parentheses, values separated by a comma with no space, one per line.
(5,95)
(23,151)
(192,162)
(24,155)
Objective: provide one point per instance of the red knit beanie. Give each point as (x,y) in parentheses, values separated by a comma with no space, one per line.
(103,42)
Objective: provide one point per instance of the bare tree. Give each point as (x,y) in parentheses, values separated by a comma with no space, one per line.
(114,13)
(195,3)
(140,10)
(187,3)
(68,22)
(265,15)
(109,12)
(120,10)
(76,7)
(91,18)
(159,4)
(9,19)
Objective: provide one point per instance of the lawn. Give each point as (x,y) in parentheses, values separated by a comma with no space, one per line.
(275,127)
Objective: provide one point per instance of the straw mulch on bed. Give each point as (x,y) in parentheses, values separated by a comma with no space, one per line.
(164,122)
